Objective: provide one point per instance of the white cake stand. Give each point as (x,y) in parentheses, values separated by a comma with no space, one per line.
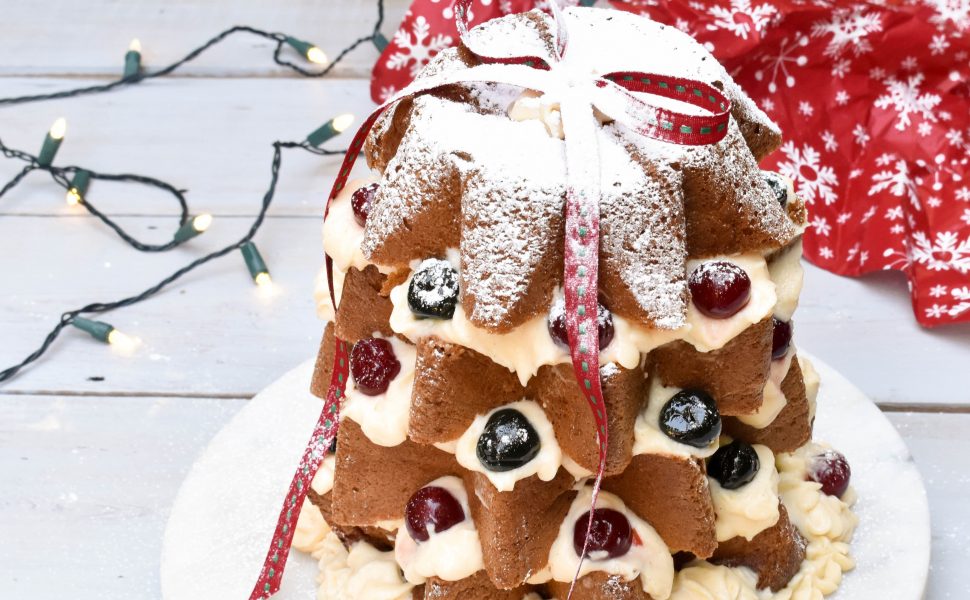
(227,507)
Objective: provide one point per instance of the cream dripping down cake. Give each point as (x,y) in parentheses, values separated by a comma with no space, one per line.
(465,454)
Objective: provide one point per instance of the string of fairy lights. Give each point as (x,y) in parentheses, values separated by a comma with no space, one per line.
(77,181)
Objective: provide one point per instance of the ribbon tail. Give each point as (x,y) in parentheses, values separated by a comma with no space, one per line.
(581,275)
(324,432)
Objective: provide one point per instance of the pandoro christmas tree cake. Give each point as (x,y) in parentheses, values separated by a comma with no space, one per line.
(562,196)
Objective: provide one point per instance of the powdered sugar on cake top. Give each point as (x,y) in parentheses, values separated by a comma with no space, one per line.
(498,185)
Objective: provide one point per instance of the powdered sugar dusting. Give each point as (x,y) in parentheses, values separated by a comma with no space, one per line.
(510,176)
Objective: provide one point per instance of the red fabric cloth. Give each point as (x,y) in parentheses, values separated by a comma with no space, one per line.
(874,102)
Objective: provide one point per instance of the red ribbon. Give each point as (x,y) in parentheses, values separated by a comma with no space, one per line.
(612,95)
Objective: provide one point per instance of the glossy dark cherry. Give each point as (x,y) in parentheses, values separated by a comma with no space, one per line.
(780,338)
(778,186)
(557,324)
(508,441)
(433,292)
(431,508)
(611,533)
(361,202)
(691,417)
(719,289)
(373,365)
(734,465)
(831,469)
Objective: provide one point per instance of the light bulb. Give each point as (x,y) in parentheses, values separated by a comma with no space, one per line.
(123,343)
(331,128)
(316,56)
(202,222)
(73,197)
(193,227)
(263,279)
(342,122)
(58,129)
(135,45)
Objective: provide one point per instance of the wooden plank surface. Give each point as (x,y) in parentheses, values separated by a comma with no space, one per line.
(91,37)
(87,487)
(91,480)
(214,333)
(212,137)
(940,443)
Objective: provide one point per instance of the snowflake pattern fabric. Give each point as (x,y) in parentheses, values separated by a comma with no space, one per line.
(874,102)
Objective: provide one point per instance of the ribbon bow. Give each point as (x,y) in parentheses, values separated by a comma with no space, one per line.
(613,95)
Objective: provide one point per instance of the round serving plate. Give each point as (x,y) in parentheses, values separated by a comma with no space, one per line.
(227,507)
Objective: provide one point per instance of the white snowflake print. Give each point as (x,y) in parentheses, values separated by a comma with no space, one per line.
(966,216)
(815,181)
(938,291)
(962,295)
(841,97)
(878,73)
(777,64)
(894,213)
(885,158)
(741,18)
(909,63)
(954,137)
(868,214)
(963,194)
(768,104)
(386,92)
(940,170)
(855,173)
(946,253)
(933,202)
(840,67)
(825,252)
(843,218)
(939,45)
(821,226)
(897,229)
(898,182)
(936,311)
(906,99)
(805,108)
(861,134)
(831,144)
(417,48)
(950,11)
(850,28)
(924,129)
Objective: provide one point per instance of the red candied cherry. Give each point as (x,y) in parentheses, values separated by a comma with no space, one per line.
(373,365)
(780,338)
(831,469)
(719,288)
(431,508)
(557,324)
(361,202)
(611,533)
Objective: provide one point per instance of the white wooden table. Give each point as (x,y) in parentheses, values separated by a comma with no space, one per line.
(93,446)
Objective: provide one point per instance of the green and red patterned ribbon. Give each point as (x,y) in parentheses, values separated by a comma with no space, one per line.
(612,94)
